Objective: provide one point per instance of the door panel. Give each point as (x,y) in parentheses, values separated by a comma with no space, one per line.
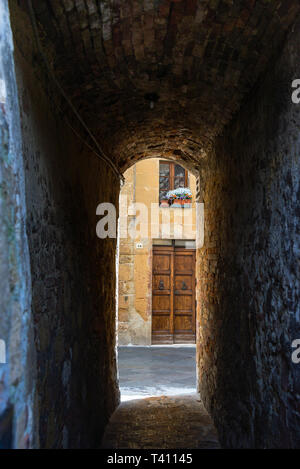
(183,304)
(161,282)
(183,324)
(162,263)
(162,298)
(173,297)
(161,323)
(184,263)
(161,303)
(183,283)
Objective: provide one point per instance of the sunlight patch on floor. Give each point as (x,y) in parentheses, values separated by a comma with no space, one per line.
(129,394)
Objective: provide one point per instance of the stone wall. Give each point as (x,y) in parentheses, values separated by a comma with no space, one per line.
(73,272)
(249,267)
(126,290)
(16,393)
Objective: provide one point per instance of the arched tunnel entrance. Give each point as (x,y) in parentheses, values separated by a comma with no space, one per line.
(87,88)
(156,265)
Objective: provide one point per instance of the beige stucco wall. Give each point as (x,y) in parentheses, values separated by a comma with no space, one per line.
(135,255)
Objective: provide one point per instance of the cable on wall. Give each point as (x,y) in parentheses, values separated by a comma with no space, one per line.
(100,153)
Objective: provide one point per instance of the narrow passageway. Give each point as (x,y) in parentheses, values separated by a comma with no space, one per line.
(209,91)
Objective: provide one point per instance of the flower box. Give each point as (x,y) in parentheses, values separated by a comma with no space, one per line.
(181,197)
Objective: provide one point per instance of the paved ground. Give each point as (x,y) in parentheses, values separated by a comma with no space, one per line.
(161,423)
(156,371)
(175,418)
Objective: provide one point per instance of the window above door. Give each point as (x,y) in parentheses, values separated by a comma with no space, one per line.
(171,176)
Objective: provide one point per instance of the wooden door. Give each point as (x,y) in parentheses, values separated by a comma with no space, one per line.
(173,296)
(184,296)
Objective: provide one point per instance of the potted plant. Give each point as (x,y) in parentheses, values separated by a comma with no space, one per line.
(180,197)
(164,202)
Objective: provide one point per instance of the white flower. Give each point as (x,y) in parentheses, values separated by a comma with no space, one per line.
(181,191)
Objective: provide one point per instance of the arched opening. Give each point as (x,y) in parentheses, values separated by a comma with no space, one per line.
(156,317)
